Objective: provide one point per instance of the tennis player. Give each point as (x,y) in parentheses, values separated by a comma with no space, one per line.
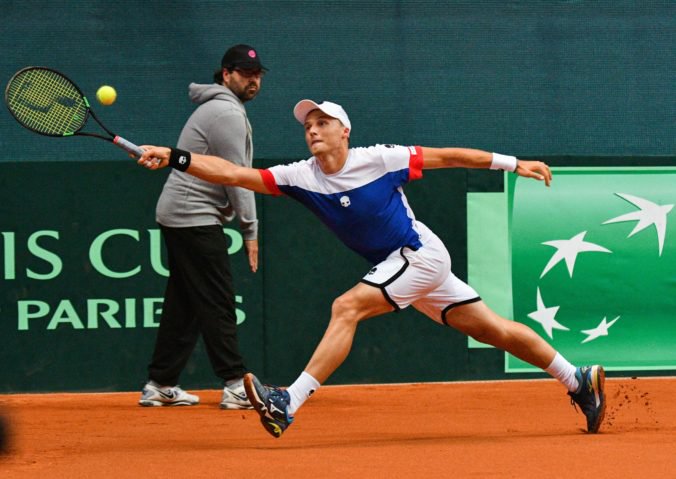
(357,193)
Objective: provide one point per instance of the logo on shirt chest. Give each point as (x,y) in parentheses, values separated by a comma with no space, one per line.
(345,201)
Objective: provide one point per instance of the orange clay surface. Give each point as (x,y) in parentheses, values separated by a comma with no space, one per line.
(519,429)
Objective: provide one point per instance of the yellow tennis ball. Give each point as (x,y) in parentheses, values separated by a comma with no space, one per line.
(106,95)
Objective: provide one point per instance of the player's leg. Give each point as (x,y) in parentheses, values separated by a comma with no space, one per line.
(405,275)
(585,384)
(452,304)
(276,406)
(483,324)
(359,303)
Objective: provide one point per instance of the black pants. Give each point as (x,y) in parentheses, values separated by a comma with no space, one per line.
(199,299)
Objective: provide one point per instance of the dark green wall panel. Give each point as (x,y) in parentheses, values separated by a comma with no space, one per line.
(520,77)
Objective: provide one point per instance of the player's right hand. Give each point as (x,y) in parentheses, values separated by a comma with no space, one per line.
(154,157)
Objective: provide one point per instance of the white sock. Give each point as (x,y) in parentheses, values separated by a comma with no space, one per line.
(562,370)
(301,390)
(158,385)
(233,382)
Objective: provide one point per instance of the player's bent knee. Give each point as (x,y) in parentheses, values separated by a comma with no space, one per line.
(343,309)
(349,309)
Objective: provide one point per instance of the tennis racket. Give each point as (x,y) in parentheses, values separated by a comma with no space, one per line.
(47,102)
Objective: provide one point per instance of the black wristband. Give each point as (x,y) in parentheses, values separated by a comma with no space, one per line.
(179,159)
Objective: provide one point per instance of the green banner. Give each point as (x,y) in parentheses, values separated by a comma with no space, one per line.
(82,277)
(83,271)
(594,265)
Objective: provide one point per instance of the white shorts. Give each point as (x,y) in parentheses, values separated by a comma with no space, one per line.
(422,278)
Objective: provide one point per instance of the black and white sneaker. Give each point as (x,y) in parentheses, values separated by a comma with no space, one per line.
(234,397)
(155,395)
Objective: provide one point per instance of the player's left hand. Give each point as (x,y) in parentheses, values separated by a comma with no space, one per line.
(534,169)
(154,157)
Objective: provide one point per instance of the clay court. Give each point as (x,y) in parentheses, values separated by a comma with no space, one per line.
(519,429)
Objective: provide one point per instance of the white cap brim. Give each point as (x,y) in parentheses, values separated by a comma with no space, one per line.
(304,107)
(334,110)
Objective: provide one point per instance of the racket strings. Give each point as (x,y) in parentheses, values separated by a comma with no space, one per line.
(47,102)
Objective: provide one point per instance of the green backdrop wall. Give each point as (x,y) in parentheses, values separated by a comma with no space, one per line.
(520,77)
(83,273)
(577,83)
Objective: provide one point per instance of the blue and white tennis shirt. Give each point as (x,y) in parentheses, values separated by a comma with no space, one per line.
(363,203)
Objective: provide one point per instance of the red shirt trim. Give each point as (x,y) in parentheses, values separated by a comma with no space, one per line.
(269,182)
(415,165)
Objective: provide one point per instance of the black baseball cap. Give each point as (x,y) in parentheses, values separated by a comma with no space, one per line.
(242,56)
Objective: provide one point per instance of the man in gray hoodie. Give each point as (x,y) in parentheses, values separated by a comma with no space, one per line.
(199,297)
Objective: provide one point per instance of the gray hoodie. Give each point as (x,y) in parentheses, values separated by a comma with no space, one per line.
(219,127)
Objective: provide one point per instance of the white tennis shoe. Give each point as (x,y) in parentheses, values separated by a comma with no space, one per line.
(234,397)
(155,395)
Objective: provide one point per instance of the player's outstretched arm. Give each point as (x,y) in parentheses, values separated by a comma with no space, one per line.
(209,168)
(471,158)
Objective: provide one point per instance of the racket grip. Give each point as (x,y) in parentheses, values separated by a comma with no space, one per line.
(128,145)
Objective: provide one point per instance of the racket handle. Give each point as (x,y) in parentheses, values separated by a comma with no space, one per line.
(128,145)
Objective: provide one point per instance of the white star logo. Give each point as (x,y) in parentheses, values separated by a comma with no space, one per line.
(598,331)
(568,250)
(545,316)
(649,214)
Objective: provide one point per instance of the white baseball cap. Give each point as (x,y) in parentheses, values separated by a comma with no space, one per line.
(334,110)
